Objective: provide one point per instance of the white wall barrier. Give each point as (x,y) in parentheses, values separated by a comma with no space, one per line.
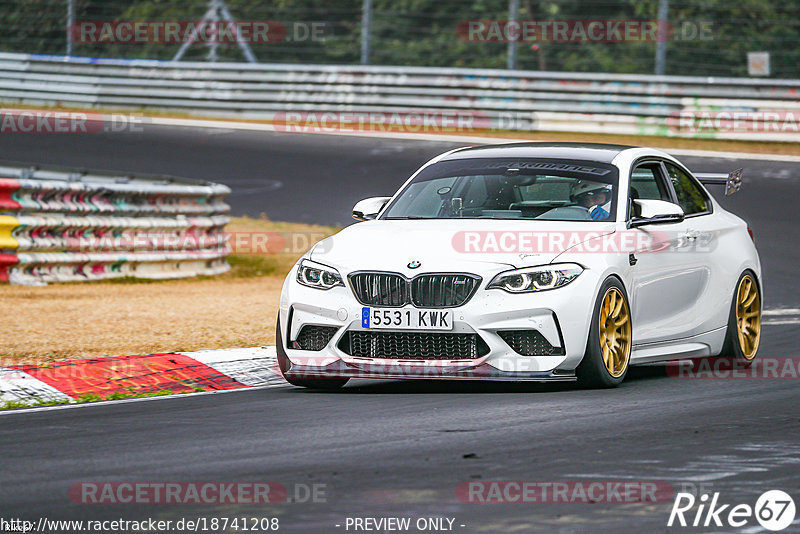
(64,225)
(680,106)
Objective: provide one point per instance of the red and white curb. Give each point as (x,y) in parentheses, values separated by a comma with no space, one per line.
(18,386)
(187,372)
(253,367)
(178,372)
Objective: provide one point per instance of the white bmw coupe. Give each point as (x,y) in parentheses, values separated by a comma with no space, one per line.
(531,261)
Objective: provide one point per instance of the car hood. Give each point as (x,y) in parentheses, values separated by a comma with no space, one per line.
(478,246)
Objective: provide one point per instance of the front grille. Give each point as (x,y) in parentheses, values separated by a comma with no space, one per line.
(314,337)
(380,289)
(442,290)
(529,343)
(413,345)
(424,291)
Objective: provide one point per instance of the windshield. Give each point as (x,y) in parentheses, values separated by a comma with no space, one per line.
(544,189)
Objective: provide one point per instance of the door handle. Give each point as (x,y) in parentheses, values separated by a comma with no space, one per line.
(691,235)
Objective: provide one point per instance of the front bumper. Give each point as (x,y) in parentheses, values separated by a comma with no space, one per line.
(562,316)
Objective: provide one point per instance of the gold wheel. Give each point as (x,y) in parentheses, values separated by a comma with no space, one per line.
(615,332)
(748,317)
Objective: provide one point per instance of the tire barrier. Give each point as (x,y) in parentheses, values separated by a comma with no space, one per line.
(309,98)
(68,225)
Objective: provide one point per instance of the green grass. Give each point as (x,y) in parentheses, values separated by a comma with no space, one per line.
(10,405)
(88,397)
(252,266)
(54,402)
(91,397)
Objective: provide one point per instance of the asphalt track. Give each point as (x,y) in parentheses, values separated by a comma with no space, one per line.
(401,449)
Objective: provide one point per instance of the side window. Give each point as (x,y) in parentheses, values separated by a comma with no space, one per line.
(690,197)
(646,183)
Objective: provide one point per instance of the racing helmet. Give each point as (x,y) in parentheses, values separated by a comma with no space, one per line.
(582,187)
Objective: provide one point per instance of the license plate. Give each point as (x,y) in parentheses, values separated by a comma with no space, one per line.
(406,319)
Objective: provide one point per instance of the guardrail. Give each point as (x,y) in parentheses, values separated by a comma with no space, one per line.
(681,106)
(64,225)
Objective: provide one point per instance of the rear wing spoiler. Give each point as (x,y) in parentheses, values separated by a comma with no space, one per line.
(731,181)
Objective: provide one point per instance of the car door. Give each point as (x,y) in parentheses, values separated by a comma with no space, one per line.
(666,275)
(705,231)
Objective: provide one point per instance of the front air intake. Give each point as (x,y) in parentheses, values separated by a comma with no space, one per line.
(314,337)
(529,343)
(413,345)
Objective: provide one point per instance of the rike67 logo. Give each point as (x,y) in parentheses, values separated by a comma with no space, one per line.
(774,510)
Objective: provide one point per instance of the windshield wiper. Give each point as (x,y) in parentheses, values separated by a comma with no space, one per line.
(411,217)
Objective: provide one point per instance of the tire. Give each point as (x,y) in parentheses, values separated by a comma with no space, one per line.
(609,340)
(284,364)
(743,333)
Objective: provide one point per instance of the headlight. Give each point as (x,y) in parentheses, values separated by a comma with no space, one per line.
(316,275)
(540,278)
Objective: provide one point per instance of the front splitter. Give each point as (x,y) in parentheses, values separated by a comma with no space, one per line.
(414,370)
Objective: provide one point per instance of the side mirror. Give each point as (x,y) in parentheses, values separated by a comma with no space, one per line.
(646,211)
(369,208)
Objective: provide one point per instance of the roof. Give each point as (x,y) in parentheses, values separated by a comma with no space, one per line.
(600,152)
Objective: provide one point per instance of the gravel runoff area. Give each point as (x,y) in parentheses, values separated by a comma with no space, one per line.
(99,319)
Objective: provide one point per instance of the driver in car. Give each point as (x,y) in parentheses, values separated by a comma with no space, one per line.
(593,196)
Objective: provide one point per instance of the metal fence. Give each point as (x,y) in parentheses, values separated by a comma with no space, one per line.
(700,37)
(309,98)
(66,225)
